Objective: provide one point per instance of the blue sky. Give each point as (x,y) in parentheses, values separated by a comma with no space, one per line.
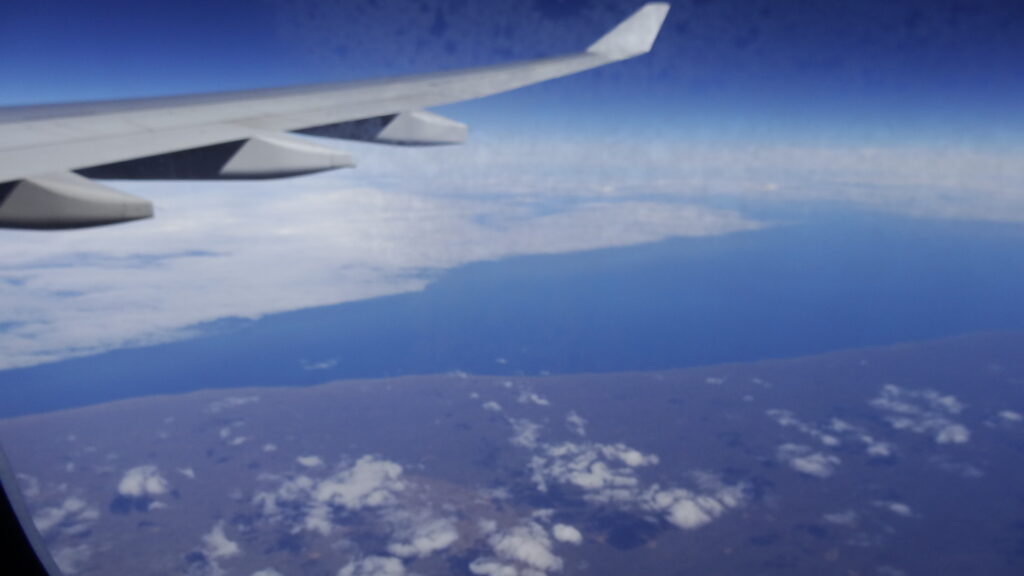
(911,70)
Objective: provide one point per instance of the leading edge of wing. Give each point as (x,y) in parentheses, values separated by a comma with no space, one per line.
(42,142)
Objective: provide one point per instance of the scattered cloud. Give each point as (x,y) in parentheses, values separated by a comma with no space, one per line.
(576,424)
(492,406)
(607,475)
(309,504)
(923,412)
(805,460)
(142,482)
(310,461)
(269,448)
(267,572)
(420,535)
(786,419)
(1011,416)
(566,533)
(29,485)
(844,518)
(218,406)
(532,398)
(321,365)
(70,559)
(525,549)
(216,544)
(898,508)
(187,473)
(525,432)
(374,566)
(71,517)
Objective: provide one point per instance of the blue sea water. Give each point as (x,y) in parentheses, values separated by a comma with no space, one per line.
(793,290)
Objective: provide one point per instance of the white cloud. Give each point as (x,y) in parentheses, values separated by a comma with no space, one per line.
(566,533)
(269,448)
(1011,416)
(923,412)
(218,406)
(29,485)
(520,550)
(142,482)
(806,461)
(898,508)
(369,483)
(73,516)
(492,406)
(187,473)
(786,419)
(321,365)
(525,433)
(267,572)
(343,241)
(576,423)
(532,398)
(418,536)
(216,544)
(374,566)
(310,461)
(71,558)
(607,475)
(844,518)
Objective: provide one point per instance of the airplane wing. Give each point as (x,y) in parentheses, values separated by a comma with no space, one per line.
(50,154)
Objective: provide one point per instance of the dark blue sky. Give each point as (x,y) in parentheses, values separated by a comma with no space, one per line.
(921,70)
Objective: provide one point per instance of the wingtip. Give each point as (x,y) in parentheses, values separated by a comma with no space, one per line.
(634,35)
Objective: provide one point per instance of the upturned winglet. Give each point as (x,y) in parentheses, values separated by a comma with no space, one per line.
(634,35)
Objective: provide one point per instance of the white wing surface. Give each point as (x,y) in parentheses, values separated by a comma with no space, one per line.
(49,154)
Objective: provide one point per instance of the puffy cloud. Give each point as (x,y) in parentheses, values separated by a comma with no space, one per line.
(73,516)
(566,533)
(70,559)
(29,485)
(218,406)
(187,473)
(923,412)
(873,447)
(492,406)
(806,461)
(576,423)
(321,365)
(605,472)
(689,510)
(418,536)
(607,475)
(519,550)
(785,418)
(1011,416)
(374,566)
(532,398)
(142,482)
(898,508)
(309,503)
(525,433)
(217,546)
(310,461)
(844,518)
(369,483)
